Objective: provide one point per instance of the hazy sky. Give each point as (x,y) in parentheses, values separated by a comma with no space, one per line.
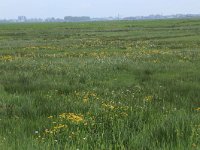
(95,8)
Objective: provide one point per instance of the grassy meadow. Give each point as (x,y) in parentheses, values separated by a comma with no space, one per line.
(119,85)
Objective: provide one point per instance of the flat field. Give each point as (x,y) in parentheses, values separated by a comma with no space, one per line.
(132,85)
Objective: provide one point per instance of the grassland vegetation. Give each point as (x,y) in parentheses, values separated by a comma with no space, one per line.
(100,85)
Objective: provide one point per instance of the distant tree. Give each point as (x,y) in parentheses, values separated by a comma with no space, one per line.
(22,18)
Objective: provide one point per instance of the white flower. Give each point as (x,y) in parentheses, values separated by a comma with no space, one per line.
(36,132)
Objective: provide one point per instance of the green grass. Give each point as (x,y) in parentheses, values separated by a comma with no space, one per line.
(100,85)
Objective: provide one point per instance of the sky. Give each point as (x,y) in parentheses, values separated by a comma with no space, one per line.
(11,9)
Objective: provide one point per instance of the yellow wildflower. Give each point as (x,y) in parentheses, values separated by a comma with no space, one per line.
(148,98)
(197,109)
(6,58)
(60,126)
(124,114)
(109,106)
(85,100)
(75,118)
(50,117)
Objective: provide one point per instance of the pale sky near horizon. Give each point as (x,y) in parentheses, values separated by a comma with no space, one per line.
(95,8)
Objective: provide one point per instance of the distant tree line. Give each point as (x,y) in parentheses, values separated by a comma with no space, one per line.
(76,19)
(86,18)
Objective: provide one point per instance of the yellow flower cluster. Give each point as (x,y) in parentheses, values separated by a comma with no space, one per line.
(76,118)
(60,125)
(6,58)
